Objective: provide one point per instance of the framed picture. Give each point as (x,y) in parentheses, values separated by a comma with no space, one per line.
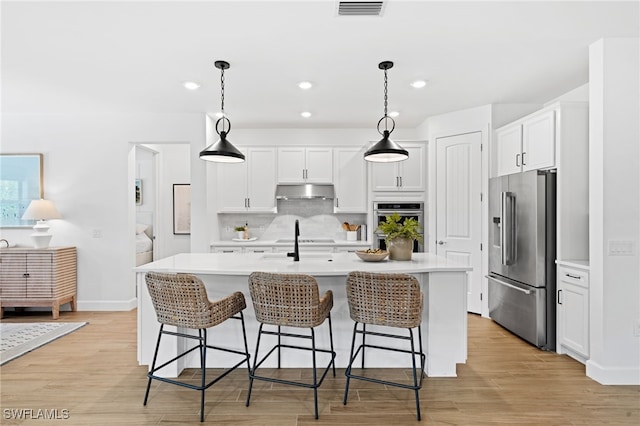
(20,183)
(138,192)
(181,208)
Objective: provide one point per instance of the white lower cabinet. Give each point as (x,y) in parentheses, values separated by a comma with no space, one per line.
(573,312)
(222,249)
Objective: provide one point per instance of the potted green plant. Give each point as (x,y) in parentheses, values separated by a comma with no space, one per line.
(399,235)
(239,230)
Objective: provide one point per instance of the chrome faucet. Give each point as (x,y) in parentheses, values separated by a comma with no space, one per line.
(296,249)
(5,241)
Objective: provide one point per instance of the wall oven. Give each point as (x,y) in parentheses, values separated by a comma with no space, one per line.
(382,209)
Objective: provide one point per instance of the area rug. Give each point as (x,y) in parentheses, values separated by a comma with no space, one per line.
(17,339)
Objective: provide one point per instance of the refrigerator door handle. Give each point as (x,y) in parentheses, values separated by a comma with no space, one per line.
(507,228)
(525,291)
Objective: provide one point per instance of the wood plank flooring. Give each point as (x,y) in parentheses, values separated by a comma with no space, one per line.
(93,374)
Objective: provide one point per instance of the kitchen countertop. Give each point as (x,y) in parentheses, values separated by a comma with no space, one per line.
(317,264)
(581,264)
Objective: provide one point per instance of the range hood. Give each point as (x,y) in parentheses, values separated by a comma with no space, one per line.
(305,191)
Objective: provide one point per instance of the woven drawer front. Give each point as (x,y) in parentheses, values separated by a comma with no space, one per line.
(40,274)
(13,282)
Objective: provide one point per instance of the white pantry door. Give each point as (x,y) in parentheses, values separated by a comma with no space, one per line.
(458,207)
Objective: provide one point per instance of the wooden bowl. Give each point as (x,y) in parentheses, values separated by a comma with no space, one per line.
(372,257)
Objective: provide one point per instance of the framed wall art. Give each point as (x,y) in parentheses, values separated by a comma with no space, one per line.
(181,208)
(20,183)
(138,192)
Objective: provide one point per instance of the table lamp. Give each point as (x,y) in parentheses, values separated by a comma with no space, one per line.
(41,210)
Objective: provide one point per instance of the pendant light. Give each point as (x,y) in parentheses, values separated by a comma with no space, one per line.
(222,151)
(386,150)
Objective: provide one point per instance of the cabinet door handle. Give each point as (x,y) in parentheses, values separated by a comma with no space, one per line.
(397,181)
(26,275)
(523,162)
(337,202)
(400,181)
(559,299)
(575,277)
(517,158)
(248,203)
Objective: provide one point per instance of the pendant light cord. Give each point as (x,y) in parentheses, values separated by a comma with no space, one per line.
(385,97)
(222,97)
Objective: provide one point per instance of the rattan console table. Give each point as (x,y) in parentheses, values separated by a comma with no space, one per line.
(38,277)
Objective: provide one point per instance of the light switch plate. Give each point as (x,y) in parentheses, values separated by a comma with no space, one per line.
(622,248)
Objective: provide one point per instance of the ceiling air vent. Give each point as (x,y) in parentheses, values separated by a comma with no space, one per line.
(360,8)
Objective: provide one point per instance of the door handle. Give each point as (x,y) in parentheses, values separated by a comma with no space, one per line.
(511,286)
(442,242)
(507,228)
(523,163)
(517,158)
(559,293)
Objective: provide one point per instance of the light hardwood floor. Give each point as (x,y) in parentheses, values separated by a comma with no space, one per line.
(93,373)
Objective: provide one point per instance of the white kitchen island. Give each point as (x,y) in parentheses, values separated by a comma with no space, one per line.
(443,282)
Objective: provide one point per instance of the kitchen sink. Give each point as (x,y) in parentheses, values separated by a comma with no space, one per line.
(306,240)
(303,256)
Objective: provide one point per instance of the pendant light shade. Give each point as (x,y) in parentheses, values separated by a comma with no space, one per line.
(386,150)
(222,151)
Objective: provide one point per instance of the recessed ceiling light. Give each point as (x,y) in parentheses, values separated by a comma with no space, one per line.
(304,85)
(191,85)
(305,114)
(418,84)
(394,114)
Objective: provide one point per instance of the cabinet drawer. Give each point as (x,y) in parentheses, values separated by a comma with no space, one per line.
(577,277)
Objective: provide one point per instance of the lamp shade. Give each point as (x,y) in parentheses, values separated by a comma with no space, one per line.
(386,151)
(41,210)
(222,151)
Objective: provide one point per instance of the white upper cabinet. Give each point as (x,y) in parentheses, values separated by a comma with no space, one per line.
(248,186)
(527,144)
(509,149)
(305,165)
(407,175)
(539,141)
(350,180)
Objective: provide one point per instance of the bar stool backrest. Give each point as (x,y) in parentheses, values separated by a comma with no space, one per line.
(181,300)
(286,299)
(393,300)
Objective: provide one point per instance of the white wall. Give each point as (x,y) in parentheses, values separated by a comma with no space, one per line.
(614,209)
(88,173)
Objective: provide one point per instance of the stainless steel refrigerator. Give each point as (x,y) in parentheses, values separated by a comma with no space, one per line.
(522,252)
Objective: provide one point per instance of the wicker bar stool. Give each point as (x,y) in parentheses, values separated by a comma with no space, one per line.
(290,300)
(391,300)
(181,300)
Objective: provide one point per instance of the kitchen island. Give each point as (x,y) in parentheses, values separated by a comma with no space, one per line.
(443,282)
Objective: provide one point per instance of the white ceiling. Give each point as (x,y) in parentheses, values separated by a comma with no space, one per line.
(104,57)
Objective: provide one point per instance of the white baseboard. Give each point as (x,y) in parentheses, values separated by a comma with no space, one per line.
(613,375)
(107,305)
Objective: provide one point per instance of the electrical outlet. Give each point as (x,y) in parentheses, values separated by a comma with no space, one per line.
(622,248)
(97,233)
(636,328)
